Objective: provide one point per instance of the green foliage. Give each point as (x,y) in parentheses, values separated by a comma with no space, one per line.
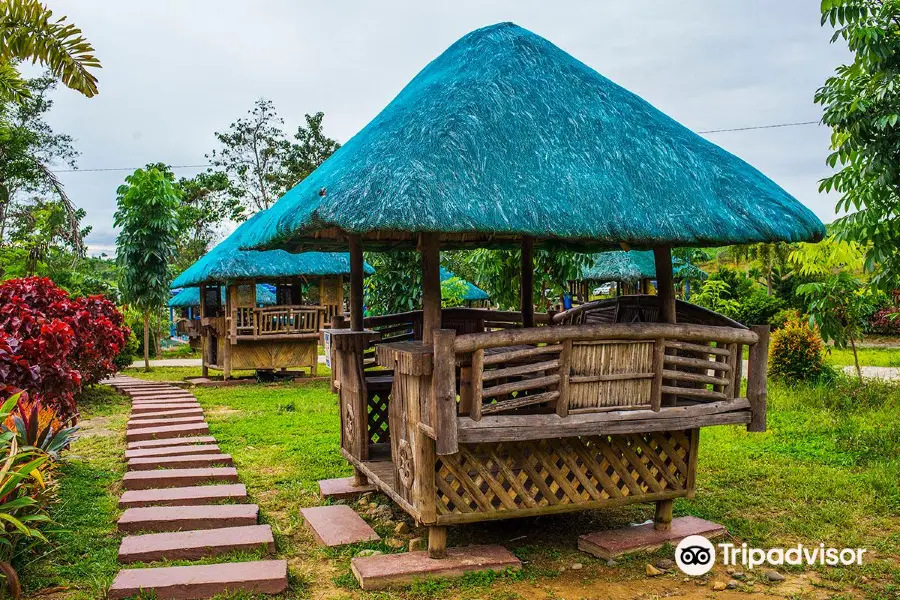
(757,308)
(206,203)
(861,104)
(312,148)
(783,317)
(127,355)
(715,294)
(28,31)
(453,292)
(396,285)
(828,256)
(796,353)
(739,285)
(839,307)
(498,272)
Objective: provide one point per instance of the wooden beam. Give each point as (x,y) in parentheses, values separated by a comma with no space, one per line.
(526,296)
(356,283)
(443,392)
(756,378)
(429,248)
(665,283)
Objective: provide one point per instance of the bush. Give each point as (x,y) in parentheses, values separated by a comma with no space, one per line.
(796,353)
(757,308)
(128,352)
(51,344)
(885,321)
(783,316)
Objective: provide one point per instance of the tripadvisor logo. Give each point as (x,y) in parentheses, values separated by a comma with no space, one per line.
(695,555)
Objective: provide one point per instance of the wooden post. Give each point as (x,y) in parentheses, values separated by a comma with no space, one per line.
(443,392)
(429,248)
(526,296)
(356,283)
(437,542)
(665,289)
(756,378)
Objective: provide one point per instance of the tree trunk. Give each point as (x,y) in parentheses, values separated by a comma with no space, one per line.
(856,359)
(146,340)
(769,281)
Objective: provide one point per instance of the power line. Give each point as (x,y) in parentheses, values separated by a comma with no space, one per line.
(750,128)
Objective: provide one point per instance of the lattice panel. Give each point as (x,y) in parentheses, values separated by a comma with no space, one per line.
(528,474)
(379,432)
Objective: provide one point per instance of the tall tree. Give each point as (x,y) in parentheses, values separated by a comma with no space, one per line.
(498,273)
(252,153)
(862,106)
(147,214)
(206,204)
(28,31)
(310,150)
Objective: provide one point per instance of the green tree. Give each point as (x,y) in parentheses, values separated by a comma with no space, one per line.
(28,31)
(861,104)
(310,150)
(772,258)
(839,306)
(147,215)
(498,272)
(206,204)
(396,285)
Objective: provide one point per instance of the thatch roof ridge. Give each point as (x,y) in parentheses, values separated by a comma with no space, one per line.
(190,296)
(504,135)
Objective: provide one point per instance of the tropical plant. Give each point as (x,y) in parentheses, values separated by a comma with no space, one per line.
(756,308)
(838,307)
(396,285)
(147,215)
(861,103)
(37,427)
(453,292)
(796,353)
(829,256)
(28,31)
(498,272)
(715,295)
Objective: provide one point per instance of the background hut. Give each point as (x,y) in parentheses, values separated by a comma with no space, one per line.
(505,140)
(473,296)
(184,310)
(632,271)
(240,333)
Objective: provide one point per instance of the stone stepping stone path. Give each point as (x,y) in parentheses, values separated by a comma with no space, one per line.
(183,501)
(337,525)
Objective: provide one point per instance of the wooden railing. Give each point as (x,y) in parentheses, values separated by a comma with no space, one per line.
(253,322)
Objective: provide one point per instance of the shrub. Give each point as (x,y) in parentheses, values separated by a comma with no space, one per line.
(757,308)
(37,426)
(128,352)
(796,353)
(783,316)
(885,321)
(51,344)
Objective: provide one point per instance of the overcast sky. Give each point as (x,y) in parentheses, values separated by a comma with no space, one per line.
(176,71)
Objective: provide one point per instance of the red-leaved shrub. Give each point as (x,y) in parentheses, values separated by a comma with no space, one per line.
(51,344)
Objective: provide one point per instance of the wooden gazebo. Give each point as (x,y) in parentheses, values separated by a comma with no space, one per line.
(238,331)
(184,311)
(507,141)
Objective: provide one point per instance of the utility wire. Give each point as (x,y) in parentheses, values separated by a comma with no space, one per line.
(773,126)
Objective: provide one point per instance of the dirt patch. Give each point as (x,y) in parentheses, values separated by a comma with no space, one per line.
(98,426)
(223,411)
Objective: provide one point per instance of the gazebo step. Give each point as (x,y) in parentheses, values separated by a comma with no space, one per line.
(178,412)
(137,422)
(183,450)
(181,441)
(149,408)
(341,489)
(166,431)
(194,545)
(386,570)
(201,581)
(337,525)
(644,538)
(187,518)
(184,496)
(191,461)
(163,478)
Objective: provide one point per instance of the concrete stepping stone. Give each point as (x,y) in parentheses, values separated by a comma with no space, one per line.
(194,545)
(644,538)
(341,489)
(337,525)
(160,399)
(187,518)
(149,408)
(180,441)
(184,496)
(387,570)
(178,412)
(165,431)
(190,461)
(172,451)
(163,478)
(136,422)
(201,581)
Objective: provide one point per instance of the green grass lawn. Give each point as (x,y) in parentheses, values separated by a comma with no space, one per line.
(825,471)
(868,357)
(181,373)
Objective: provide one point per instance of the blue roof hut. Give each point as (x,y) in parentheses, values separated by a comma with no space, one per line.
(505,140)
(244,324)
(472,294)
(632,269)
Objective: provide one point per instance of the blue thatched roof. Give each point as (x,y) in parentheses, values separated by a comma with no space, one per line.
(473,292)
(226,262)
(190,296)
(633,266)
(505,135)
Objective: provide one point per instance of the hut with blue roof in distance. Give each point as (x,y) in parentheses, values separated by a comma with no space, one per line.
(631,270)
(472,295)
(243,324)
(507,141)
(184,310)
